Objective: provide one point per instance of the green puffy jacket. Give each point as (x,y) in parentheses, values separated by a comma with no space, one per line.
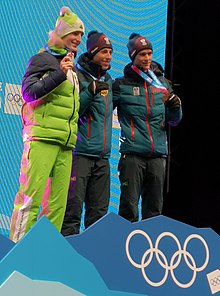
(50,111)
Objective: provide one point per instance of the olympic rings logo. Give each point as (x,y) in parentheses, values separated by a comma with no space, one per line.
(15,99)
(162,260)
(215,281)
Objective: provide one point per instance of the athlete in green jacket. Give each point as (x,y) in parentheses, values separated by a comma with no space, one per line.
(50,118)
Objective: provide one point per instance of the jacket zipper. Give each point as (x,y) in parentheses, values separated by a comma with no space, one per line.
(132,128)
(147,119)
(71,119)
(106,112)
(89,126)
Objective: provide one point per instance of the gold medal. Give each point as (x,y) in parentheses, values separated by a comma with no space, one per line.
(104,93)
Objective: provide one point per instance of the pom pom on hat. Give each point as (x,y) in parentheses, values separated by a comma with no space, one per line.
(68,22)
(136,43)
(97,41)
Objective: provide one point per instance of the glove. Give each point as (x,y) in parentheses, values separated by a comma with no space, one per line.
(96,86)
(173,101)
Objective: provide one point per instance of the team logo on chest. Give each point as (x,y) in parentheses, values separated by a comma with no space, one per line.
(136,91)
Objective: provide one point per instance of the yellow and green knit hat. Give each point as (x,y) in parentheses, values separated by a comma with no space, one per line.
(67,23)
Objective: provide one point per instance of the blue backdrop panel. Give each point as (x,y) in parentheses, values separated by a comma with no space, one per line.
(24,30)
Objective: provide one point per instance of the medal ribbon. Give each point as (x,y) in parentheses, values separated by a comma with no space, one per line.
(151,78)
(93,77)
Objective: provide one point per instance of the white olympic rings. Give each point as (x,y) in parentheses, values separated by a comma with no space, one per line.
(164,263)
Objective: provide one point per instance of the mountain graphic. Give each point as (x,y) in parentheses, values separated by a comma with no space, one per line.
(5,246)
(44,254)
(156,256)
(26,287)
(104,244)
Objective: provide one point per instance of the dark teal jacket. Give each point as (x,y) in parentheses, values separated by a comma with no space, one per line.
(142,114)
(95,122)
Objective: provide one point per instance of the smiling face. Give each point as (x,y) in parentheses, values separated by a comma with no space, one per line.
(72,40)
(143,59)
(103,58)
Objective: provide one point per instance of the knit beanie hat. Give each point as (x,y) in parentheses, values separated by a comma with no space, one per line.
(95,42)
(68,22)
(136,43)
